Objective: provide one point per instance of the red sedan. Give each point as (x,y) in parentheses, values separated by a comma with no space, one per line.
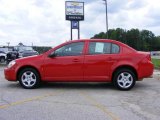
(83,61)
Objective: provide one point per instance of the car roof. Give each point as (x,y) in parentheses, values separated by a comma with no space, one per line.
(100,40)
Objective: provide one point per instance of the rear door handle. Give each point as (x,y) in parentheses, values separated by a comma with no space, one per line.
(75,60)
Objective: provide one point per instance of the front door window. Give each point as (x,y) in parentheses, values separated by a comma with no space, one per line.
(73,49)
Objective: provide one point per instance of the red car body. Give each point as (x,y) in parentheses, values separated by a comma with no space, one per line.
(85,67)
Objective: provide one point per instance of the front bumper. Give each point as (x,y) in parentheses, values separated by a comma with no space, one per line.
(10,74)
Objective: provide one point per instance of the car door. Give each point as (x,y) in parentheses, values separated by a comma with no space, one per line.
(67,64)
(98,61)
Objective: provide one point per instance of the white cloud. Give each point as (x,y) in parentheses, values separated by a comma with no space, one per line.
(42,22)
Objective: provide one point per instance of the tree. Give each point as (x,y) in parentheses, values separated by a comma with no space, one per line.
(147,38)
(141,40)
(133,38)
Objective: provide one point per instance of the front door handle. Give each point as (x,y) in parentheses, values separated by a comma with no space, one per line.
(109,59)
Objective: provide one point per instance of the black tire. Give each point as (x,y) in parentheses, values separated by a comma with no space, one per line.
(29,78)
(2,59)
(124,79)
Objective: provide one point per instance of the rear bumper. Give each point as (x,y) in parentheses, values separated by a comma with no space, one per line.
(10,74)
(150,76)
(146,71)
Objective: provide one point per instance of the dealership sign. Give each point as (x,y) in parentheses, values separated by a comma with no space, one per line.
(75,24)
(74,10)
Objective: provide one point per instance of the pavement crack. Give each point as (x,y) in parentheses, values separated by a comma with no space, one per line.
(73,103)
(136,109)
(3,100)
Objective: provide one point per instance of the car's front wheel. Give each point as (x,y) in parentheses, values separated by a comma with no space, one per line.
(124,79)
(29,78)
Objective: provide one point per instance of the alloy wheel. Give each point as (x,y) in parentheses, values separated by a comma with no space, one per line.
(125,80)
(28,79)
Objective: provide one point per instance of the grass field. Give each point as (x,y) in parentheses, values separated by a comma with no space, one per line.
(156,63)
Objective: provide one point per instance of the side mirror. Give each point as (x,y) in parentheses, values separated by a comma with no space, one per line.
(52,55)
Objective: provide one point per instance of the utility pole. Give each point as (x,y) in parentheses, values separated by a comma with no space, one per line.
(8,43)
(106,17)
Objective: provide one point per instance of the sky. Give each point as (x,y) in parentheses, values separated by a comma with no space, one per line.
(42,22)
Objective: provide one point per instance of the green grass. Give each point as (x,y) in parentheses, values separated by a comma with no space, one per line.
(156,63)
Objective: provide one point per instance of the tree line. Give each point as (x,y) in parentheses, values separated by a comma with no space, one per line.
(143,40)
(41,49)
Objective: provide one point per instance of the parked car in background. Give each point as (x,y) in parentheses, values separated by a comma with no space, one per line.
(2,57)
(83,61)
(25,51)
(12,55)
(5,49)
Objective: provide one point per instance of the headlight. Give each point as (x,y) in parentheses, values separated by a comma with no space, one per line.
(11,63)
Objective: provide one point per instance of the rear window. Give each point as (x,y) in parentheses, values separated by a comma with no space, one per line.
(115,49)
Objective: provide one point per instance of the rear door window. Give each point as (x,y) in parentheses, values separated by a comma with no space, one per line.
(99,48)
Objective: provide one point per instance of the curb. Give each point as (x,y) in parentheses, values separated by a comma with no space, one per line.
(156,74)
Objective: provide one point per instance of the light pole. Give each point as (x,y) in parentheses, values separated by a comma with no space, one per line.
(8,45)
(106,17)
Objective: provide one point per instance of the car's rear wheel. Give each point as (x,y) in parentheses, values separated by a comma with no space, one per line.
(29,78)
(124,79)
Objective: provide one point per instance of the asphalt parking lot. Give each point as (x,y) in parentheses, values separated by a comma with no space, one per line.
(80,101)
